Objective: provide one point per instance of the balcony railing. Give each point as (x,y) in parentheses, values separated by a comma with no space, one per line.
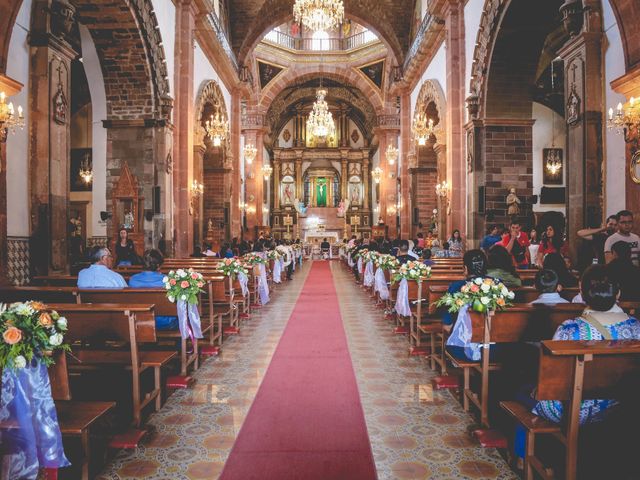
(285,40)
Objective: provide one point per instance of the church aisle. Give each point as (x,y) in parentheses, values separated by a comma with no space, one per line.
(193,433)
(415,432)
(306,421)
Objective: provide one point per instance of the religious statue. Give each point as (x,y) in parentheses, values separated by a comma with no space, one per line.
(300,207)
(355,194)
(513,202)
(210,226)
(343,207)
(288,193)
(128,221)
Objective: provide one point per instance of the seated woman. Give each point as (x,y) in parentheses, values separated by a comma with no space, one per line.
(125,249)
(552,242)
(601,320)
(150,277)
(475,265)
(501,267)
(554,261)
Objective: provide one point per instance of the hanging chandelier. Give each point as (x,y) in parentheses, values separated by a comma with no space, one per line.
(8,119)
(553,163)
(217,128)
(320,122)
(626,121)
(422,127)
(392,154)
(319,15)
(86,170)
(250,152)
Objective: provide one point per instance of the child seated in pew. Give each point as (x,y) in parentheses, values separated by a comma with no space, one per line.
(547,284)
(150,277)
(602,319)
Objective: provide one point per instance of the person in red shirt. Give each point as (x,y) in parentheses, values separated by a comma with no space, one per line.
(517,244)
(552,242)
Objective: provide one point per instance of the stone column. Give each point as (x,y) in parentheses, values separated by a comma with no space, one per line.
(344,174)
(298,165)
(405,159)
(583,77)
(455,51)
(184,127)
(254,191)
(366,180)
(50,116)
(236,179)
(276,183)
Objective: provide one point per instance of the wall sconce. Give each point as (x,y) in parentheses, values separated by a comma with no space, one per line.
(251,210)
(217,128)
(391,210)
(442,189)
(626,122)
(376,173)
(265,210)
(250,152)
(267,171)
(8,120)
(392,154)
(242,206)
(197,189)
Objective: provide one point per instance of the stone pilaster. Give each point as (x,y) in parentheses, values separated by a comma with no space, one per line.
(405,183)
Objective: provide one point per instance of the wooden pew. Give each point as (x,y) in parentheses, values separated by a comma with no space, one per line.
(162,307)
(570,372)
(95,330)
(75,418)
(41,294)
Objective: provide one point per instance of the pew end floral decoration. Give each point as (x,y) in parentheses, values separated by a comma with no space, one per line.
(410,271)
(482,294)
(274,255)
(184,285)
(387,262)
(30,330)
(370,256)
(232,267)
(253,259)
(361,253)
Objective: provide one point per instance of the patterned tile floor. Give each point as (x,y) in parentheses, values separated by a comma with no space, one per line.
(416,433)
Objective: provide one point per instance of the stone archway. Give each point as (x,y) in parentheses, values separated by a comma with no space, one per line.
(213,166)
(430,166)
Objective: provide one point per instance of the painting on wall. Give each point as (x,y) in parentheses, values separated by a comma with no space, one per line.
(267,72)
(375,73)
(552,166)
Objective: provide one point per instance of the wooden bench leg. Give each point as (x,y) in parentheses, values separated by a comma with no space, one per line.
(432,358)
(529,453)
(465,399)
(183,356)
(86,454)
(156,376)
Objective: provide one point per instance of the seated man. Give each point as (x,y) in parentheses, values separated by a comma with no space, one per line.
(548,286)
(100,275)
(403,253)
(325,247)
(426,254)
(150,277)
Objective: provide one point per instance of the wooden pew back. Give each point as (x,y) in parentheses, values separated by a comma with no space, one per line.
(41,294)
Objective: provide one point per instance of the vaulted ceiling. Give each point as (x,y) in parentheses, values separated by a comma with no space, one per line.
(251,19)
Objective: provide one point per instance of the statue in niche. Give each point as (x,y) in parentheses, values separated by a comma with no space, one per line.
(128,221)
(288,194)
(513,203)
(354,196)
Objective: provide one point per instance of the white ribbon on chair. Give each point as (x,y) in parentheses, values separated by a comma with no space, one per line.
(244,281)
(368,274)
(360,265)
(402,299)
(277,270)
(263,285)
(349,261)
(380,285)
(461,335)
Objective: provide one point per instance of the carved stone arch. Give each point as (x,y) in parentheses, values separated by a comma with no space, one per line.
(209,93)
(431,92)
(490,21)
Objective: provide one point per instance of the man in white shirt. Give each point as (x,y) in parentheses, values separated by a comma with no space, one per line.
(100,275)
(548,285)
(624,234)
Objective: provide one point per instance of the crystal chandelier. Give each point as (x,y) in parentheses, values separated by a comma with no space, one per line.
(377,174)
(626,121)
(267,170)
(217,128)
(319,15)
(250,153)
(320,122)
(422,127)
(8,120)
(392,154)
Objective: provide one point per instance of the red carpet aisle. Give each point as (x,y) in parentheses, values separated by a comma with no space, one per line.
(306,421)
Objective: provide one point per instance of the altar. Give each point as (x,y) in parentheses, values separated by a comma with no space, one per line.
(315,236)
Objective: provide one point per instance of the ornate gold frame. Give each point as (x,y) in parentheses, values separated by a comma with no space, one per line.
(635,162)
